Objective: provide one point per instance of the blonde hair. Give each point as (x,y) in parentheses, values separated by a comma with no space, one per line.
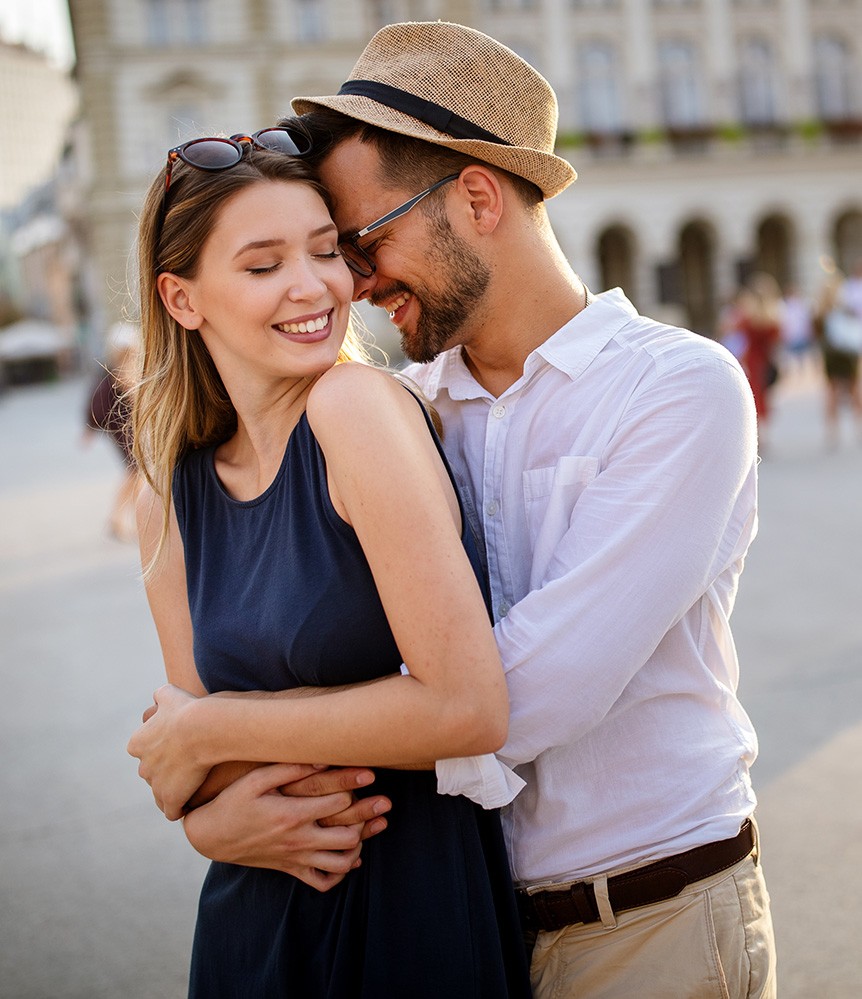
(180,402)
(760,299)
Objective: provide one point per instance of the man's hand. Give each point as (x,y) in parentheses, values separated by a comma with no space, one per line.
(290,818)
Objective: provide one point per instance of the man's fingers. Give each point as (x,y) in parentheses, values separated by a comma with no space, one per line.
(316,810)
(320,782)
(319,879)
(148,714)
(336,862)
(273,775)
(361,811)
(372,828)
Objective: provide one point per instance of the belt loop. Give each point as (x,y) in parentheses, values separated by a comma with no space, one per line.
(755,853)
(606,912)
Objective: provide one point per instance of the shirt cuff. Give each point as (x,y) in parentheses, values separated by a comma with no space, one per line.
(483,779)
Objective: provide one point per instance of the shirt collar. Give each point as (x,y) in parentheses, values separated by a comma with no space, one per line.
(574,347)
(571,349)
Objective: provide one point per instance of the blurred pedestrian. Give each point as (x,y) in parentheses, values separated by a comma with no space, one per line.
(759,316)
(797,331)
(838,330)
(109,410)
(852,292)
(729,333)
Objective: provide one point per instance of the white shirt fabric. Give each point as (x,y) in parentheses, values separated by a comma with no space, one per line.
(614,486)
(851,294)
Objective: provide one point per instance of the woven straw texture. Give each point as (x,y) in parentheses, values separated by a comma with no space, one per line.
(474,76)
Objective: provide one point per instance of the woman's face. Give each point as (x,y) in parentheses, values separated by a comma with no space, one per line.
(272,290)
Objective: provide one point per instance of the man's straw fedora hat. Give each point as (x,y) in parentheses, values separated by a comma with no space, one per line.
(456,87)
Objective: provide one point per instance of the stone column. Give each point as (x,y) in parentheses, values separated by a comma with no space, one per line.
(795,35)
(720,62)
(639,56)
(560,59)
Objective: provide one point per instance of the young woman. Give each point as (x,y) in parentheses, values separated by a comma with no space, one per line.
(302,532)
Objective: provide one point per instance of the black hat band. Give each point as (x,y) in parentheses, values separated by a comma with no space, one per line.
(438,117)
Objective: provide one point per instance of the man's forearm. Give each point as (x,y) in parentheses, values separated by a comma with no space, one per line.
(220,777)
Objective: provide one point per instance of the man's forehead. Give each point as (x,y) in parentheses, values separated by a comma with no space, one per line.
(351,174)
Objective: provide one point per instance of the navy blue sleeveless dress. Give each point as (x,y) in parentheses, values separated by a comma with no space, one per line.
(281,596)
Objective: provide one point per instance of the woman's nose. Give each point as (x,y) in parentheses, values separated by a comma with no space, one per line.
(305,283)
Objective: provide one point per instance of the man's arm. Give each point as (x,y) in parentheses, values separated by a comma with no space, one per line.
(672,507)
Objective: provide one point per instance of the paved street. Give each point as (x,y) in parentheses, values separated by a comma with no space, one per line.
(98,892)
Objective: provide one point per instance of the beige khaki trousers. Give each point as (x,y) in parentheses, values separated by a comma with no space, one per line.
(713,941)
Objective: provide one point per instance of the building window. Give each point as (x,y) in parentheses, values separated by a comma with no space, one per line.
(757,82)
(510,4)
(157,22)
(834,78)
(196,21)
(600,103)
(176,22)
(680,84)
(310,21)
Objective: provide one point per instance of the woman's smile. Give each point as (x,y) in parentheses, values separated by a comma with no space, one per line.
(308,329)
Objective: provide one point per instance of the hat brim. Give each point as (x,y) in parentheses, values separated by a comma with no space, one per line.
(550,173)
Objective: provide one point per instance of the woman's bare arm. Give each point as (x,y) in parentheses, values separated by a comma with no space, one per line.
(387,480)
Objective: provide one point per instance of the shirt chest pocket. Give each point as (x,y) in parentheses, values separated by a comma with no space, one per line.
(550,495)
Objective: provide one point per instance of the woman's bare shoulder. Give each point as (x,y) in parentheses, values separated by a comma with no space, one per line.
(357,393)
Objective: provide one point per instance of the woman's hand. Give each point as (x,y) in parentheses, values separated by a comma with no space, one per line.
(291,818)
(164,747)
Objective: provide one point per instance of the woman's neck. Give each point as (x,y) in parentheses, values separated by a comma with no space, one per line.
(250,460)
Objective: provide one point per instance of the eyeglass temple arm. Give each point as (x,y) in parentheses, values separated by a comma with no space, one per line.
(402,209)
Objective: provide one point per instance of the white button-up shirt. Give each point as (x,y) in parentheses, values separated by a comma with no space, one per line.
(614,486)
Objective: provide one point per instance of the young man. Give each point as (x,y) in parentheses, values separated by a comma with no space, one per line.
(609,464)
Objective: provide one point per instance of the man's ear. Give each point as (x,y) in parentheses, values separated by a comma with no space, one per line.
(175,294)
(484,194)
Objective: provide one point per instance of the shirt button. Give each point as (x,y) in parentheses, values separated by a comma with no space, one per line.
(492,508)
(499,411)
(503,609)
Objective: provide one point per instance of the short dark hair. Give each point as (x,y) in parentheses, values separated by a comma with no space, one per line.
(409,162)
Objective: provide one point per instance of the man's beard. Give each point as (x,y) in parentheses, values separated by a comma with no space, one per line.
(444,314)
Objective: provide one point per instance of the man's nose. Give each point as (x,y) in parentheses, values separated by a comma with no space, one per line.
(362,287)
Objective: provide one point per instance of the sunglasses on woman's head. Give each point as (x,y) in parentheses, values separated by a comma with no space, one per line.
(213,153)
(219,153)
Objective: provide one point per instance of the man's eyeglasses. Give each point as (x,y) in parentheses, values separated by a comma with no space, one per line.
(215,153)
(359,260)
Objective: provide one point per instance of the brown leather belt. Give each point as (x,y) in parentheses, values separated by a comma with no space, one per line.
(553,908)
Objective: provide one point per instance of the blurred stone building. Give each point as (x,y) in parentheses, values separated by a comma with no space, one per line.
(712,137)
(38,101)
